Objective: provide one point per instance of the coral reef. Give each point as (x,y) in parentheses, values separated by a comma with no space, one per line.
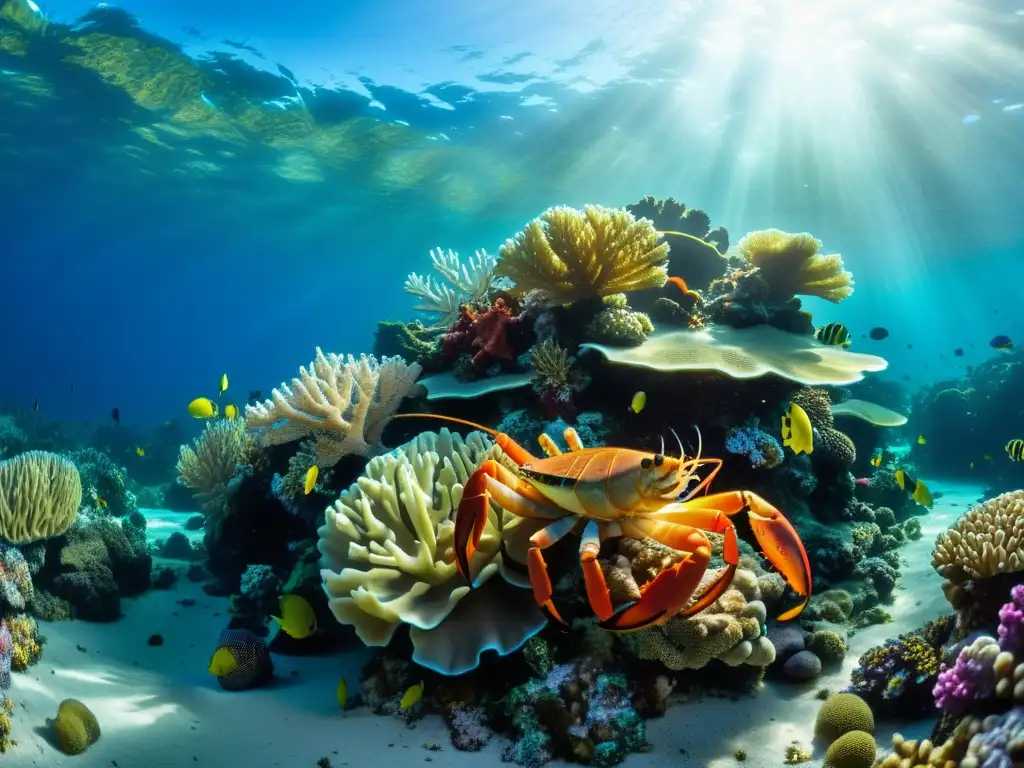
(462,283)
(40,494)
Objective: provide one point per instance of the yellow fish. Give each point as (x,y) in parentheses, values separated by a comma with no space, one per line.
(342,693)
(1015,450)
(223,663)
(101,502)
(638,402)
(140,451)
(921,440)
(202,408)
(920,492)
(971,465)
(223,384)
(297,618)
(412,696)
(797,432)
(876,460)
(311,476)
(230,411)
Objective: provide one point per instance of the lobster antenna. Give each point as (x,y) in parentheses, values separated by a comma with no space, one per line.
(452,419)
(682,453)
(662,451)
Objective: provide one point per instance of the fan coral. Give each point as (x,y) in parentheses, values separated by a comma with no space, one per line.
(40,494)
(987,540)
(570,255)
(791,265)
(388,549)
(343,403)
(211,461)
(762,449)
(463,283)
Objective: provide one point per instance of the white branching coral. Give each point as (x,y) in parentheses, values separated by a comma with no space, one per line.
(463,282)
(342,402)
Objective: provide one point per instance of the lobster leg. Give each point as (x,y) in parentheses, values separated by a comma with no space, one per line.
(774,533)
(540,580)
(492,481)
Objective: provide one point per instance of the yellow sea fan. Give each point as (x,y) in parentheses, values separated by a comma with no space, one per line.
(792,266)
(570,255)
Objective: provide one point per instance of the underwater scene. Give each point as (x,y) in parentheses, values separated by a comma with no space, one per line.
(512,383)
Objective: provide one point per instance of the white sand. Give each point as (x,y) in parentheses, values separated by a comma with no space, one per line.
(159,708)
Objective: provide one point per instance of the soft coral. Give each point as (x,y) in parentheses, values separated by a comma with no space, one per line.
(487,333)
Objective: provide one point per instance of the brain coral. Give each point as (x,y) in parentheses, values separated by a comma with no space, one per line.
(75,728)
(842,713)
(39,496)
(746,353)
(855,749)
(987,540)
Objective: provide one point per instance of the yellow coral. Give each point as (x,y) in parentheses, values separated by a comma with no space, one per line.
(841,714)
(388,541)
(570,255)
(855,749)
(6,710)
(791,265)
(987,540)
(344,403)
(211,461)
(40,494)
(75,728)
(925,754)
(26,649)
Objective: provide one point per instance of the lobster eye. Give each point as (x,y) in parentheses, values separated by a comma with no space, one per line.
(658,459)
(646,464)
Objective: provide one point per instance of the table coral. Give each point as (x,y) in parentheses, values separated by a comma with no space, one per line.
(342,402)
(568,255)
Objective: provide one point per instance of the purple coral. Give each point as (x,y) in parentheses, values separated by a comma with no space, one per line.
(762,449)
(970,679)
(1011,622)
(6,654)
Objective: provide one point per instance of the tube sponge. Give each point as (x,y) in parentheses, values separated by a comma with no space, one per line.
(387,542)
(40,494)
(569,255)
(343,402)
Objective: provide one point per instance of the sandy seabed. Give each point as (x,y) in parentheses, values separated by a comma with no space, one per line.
(158,707)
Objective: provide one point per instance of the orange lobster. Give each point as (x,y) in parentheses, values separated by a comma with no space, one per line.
(610,492)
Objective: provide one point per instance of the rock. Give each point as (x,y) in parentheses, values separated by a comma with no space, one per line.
(802,666)
(177,547)
(788,641)
(195,523)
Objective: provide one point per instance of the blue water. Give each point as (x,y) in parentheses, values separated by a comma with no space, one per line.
(152,242)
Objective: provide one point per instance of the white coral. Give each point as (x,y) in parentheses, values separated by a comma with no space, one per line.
(463,282)
(343,402)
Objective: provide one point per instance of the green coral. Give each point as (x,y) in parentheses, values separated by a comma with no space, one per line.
(912,529)
(872,616)
(411,341)
(75,728)
(855,749)
(843,713)
(618,325)
(537,653)
(828,645)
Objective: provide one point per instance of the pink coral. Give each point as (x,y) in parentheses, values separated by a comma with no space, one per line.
(970,679)
(1011,622)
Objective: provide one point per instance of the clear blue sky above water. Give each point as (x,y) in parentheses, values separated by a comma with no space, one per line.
(144,299)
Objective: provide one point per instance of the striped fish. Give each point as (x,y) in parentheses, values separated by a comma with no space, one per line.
(834,334)
(1015,450)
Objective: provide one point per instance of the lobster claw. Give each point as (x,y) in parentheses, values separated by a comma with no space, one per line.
(782,547)
(471,519)
(664,596)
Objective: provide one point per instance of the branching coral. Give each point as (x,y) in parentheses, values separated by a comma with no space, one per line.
(40,494)
(464,282)
(344,403)
(570,255)
(791,265)
(388,547)
(985,541)
(208,465)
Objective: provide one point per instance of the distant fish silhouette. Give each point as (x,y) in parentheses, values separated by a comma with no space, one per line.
(115,414)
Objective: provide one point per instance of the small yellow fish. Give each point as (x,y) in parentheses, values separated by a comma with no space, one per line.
(223,384)
(876,460)
(922,440)
(297,618)
(638,402)
(202,408)
(1015,450)
(342,693)
(223,663)
(140,451)
(101,502)
(971,465)
(311,475)
(411,697)
(797,432)
(920,492)
(230,411)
